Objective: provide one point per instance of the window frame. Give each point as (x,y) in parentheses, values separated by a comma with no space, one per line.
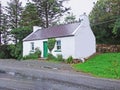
(32,46)
(58,45)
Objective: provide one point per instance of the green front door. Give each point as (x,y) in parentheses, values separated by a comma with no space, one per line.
(45,49)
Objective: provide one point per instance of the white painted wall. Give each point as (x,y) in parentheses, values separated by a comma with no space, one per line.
(67,47)
(85,43)
(37,44)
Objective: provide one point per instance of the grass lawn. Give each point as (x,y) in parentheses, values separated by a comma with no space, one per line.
(103,65)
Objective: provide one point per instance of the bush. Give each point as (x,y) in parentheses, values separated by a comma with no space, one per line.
(38,52)
(69,59)
(16,50)
(51,44)
(60,57)
(51,57)
(5,52)
(30,56)
(35,55)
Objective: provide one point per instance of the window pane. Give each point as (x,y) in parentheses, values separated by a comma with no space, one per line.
(58,45)
(32,46)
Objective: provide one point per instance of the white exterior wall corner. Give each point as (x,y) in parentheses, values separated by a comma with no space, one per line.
(85,43)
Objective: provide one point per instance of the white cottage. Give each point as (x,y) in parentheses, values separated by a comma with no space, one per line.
(76,39)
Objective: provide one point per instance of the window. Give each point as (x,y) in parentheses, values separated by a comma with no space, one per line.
(32,46)
(59,45)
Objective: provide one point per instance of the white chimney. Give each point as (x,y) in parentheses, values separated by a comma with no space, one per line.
(84,20)
(35,28)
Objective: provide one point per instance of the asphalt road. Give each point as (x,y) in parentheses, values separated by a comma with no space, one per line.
(10,82)
(18,82)
(33,75)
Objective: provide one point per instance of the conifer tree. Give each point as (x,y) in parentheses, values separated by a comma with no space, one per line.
(50,10)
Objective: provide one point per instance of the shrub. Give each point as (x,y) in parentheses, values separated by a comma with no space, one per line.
(60,57)
(30,56)
(16,50)
(5,52)
(51,44)
(35,55)
(38,52)
(69,59)
(51,57)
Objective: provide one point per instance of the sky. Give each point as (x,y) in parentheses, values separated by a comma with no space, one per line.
(78,7)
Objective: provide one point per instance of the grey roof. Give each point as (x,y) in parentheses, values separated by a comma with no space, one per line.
(53,32)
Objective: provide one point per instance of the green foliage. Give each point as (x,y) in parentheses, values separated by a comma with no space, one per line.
(16,51)
(60,57)
(103,17)
(51,57)
(50,10)
(34,56)
(21,32)
(51,44)
(13,12)
(38,52)
(103,65)
(30,16)
(5,52)
(116,29)
(70,18)
(69,59)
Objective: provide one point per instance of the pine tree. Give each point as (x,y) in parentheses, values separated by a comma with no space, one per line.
(5,29)
(30,16)
(70,18)
(50,10)
(14,11)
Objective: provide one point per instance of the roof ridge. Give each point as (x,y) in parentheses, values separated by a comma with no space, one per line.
(59,25)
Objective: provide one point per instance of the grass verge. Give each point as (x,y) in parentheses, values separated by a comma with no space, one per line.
(103,65)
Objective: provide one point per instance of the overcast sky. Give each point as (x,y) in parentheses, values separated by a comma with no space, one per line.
(78,6)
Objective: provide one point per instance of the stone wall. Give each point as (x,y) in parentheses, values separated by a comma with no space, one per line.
(104,48)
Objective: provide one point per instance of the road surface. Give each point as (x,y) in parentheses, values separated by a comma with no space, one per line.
(40,75)
(18,82)
(10,82)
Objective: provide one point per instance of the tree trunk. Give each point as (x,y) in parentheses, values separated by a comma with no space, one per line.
(46,15)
